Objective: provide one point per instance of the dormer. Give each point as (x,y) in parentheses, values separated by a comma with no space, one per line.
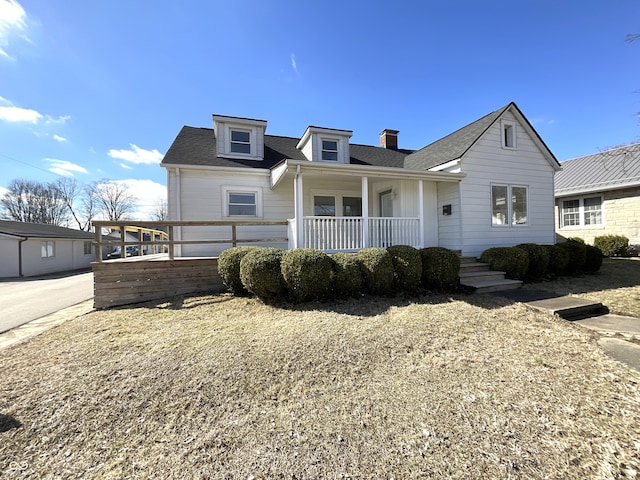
(241,138)
(325,145)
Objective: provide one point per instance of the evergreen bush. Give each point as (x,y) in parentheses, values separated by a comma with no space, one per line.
(577,256)
(407,267)
(593,259)
(538,261)
(377,270)
(558,259)
(307,273)
(512,260)
(612,245)
(440,268)
(347,279)
(261,274)
(229,268)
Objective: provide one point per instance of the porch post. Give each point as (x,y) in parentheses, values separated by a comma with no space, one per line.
(421,225)
(298,206)
(365,212)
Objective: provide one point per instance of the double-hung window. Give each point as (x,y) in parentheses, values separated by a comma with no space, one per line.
(330,150)
(48,249)
(87,248)
(579,212)
(241,141)
(242,204)
(509,205)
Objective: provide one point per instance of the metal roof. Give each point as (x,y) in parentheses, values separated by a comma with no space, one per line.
(41,230)
(607,170)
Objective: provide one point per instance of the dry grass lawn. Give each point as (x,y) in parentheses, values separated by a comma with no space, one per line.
(221,387)
(616,285)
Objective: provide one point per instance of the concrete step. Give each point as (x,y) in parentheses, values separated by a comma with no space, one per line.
(486,286)
(468,260)
(474,266)
(570,308)
(480,275)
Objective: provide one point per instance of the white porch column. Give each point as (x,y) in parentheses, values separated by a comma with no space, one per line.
(365,212)
(297,192)
(421,224)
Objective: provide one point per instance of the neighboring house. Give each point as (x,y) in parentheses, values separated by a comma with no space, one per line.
(599,195)
(28,249)
(488,184)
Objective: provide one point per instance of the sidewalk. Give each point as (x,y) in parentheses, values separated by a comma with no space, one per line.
(620,335)
(35,327)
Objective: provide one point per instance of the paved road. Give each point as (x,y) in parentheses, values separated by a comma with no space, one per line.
(28,299)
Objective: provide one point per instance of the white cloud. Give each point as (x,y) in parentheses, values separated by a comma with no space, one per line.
(61,120)
(3,191)
(17,114)
(137,155)
(64,167)
(294,65)
(126,167)
(58,138)
(13,21)
(147,194)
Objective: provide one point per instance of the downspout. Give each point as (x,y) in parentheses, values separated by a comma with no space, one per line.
(20,242)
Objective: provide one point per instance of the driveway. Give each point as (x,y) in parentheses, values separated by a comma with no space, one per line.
(27,299)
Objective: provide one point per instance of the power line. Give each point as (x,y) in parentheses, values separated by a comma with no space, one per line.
(25,163)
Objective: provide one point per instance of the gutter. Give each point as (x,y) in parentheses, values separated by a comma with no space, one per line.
(20,242)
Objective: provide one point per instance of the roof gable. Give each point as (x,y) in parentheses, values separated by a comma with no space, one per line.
(611,169)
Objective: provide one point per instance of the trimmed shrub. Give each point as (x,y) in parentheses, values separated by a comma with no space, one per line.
(612,245)
(593,259)
(577,256)
(261,275)
(512,260)
(229,268)
(440,268)
(538,260)
(307,273)
(407,267)
(347,279)
(377,270)
(558,259)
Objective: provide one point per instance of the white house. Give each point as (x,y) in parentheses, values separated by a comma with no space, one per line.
(29,249)
(487,184)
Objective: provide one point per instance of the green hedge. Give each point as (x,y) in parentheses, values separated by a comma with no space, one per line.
(577,256)
(612,245)
(229,268)
(377,270)
(512,260)
(347,279)
(558,259)
(307,273)
(538,260)
(261,274)
(593,259)
(407,267)
(440,268)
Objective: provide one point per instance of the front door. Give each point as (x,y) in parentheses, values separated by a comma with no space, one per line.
(386,211)
(386,204)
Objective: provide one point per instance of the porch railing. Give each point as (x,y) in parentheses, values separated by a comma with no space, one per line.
(347,233)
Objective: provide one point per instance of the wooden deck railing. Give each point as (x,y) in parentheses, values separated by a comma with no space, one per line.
(161,235)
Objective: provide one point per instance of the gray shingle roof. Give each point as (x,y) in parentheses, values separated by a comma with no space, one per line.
(615,168)
(454,145)
(40,230)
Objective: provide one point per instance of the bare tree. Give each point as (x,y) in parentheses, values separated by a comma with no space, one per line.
(160,210)
(78,199)
(113,200)
(34,202)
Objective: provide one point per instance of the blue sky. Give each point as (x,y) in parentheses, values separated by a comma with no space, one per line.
(99,89)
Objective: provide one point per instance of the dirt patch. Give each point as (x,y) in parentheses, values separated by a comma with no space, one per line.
(223,387)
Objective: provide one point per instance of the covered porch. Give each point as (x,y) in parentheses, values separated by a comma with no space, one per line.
(346,207)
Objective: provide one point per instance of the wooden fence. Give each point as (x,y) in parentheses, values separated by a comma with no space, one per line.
(142,278)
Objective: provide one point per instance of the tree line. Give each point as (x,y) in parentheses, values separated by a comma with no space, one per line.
(66,202)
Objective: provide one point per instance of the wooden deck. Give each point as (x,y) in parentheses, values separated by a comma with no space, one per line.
(152,277)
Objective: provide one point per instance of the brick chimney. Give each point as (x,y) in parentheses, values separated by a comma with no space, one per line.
(389,138)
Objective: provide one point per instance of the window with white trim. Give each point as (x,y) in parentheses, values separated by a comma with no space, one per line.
(580,212)
(87,248)
(241,141)
(508,134)
(509,205)
(324,206)
(48,249)
(329,150)
(242,204)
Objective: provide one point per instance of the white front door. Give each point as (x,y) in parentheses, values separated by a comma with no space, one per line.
(386,204)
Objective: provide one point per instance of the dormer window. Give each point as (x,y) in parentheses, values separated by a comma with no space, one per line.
(329,150)
(240,141)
